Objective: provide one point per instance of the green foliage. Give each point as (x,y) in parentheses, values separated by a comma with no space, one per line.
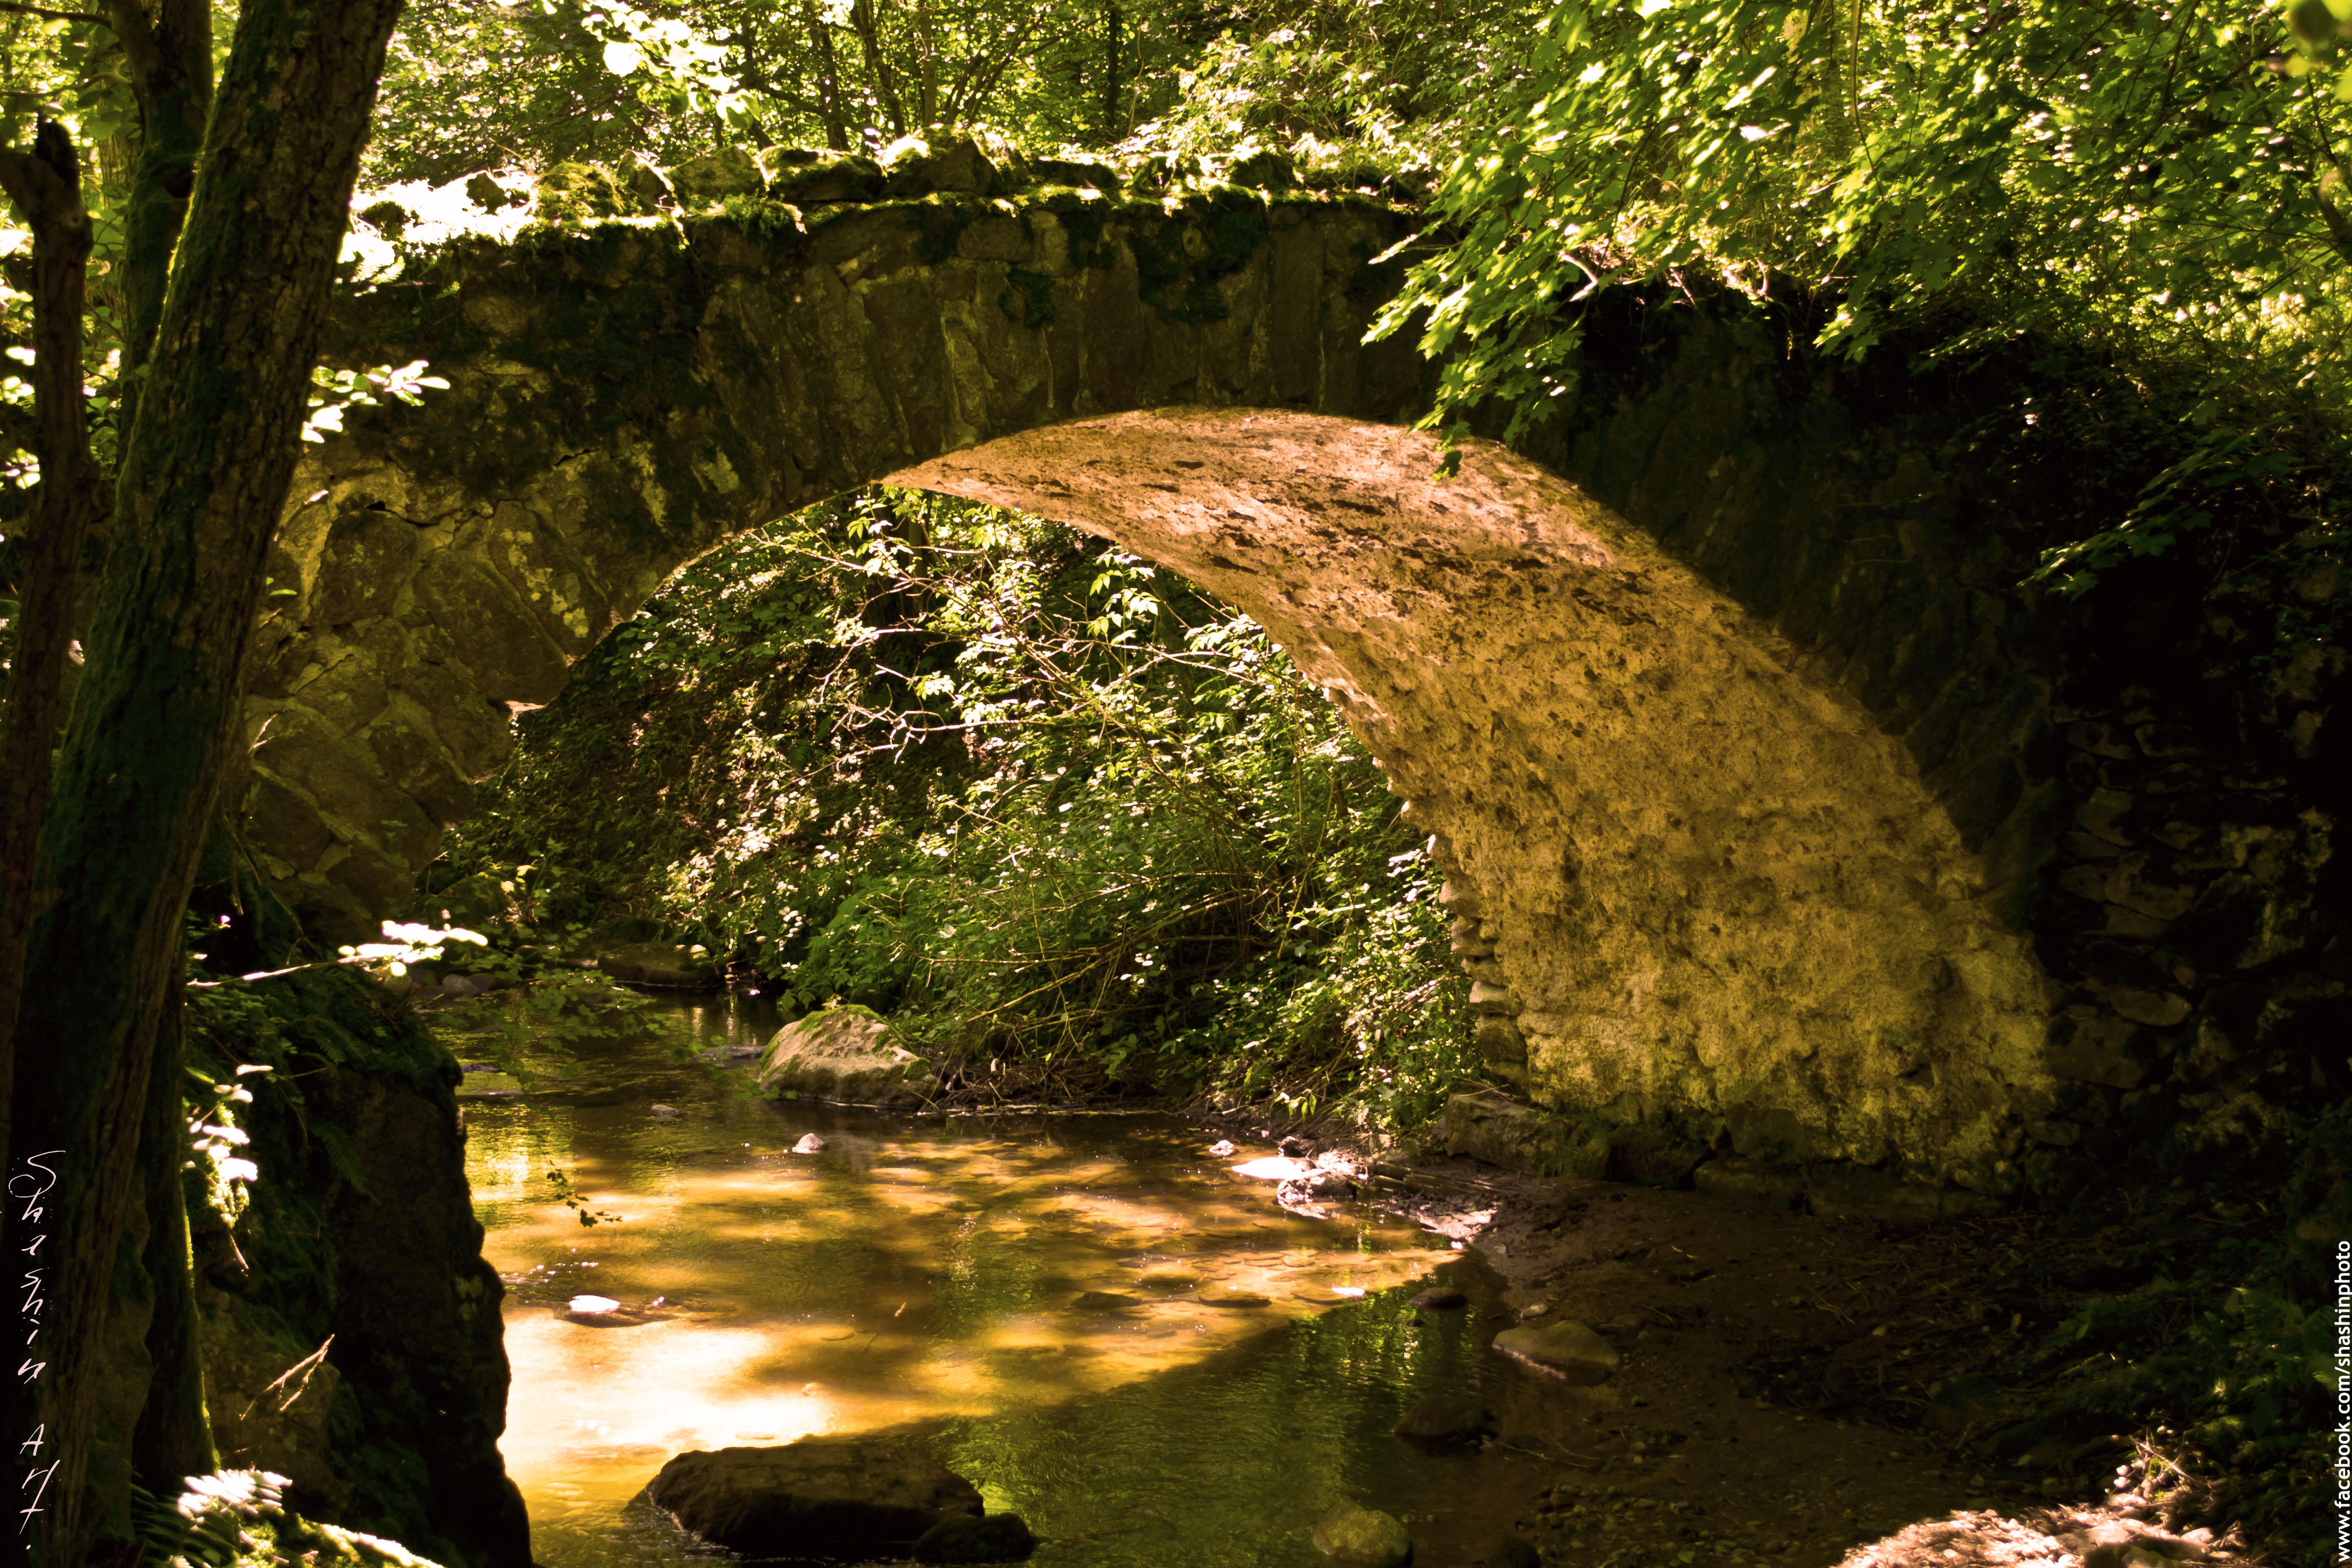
(1041,801)
(239,1519)
(470,87)
(2145,180)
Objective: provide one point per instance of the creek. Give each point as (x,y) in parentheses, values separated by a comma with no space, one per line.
(925,1273)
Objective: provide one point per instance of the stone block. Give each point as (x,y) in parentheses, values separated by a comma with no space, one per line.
(1078,173)
(368,559)
(912,166)
(1512,1136)
(281,823)
(825,178)
(521,545)
(2102,815)
(1750,1181)
(510,658)
(1568,1350)
(1500,1042)
(2095,1051)
(1843,1190)
(348,695)
(478,733)
(706,182)
(847,1056)
(1490,999)
(1652,1157)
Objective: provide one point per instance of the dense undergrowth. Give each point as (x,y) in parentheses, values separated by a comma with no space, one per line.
(1051,808)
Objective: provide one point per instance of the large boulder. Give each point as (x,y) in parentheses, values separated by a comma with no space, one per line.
(846,1498)
(849,1056)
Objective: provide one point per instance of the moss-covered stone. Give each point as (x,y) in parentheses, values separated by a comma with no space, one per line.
(350,1326)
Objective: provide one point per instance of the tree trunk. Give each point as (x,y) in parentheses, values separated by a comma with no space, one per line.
(171,59)
(45,188)
(204,479)
(1114,123)
(173,1438)
(828,78)
(866,17)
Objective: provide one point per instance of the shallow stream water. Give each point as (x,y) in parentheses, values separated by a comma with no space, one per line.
(925,1273)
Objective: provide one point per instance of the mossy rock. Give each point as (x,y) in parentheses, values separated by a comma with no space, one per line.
(580,194)
(708,180)
(847,1056)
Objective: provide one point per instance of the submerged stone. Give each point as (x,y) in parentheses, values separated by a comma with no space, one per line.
(1232,1299)
(1445,1418)
(842,1497)
(1362,1537)
(1104,1301)
(999,1537)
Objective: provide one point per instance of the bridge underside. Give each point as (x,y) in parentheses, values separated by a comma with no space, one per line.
(1714,890)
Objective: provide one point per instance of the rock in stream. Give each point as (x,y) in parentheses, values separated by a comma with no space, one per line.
(845,1498)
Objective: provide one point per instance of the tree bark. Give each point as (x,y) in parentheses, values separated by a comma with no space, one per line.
(45,185)
(174,1439)
(171,58)
(204,479)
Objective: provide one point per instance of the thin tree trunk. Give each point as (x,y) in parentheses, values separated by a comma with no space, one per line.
(828,78)
(204,478)
(46,187)
(863,17)
(927,80)
(171,57)
(1114,123)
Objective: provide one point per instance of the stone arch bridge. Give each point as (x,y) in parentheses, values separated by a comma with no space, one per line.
(1770,836)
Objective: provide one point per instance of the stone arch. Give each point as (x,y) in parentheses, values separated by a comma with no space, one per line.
(1715,891)
(1701,883)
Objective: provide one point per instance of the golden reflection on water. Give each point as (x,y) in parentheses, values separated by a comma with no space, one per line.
(914,1271)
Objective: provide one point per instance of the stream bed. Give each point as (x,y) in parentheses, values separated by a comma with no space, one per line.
(931,1274)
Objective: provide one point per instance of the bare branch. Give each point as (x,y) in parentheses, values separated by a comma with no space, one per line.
(56,16)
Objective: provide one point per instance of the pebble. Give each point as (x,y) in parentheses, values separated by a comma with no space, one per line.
(810,1143)
(667,1112)
(1222,1149)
